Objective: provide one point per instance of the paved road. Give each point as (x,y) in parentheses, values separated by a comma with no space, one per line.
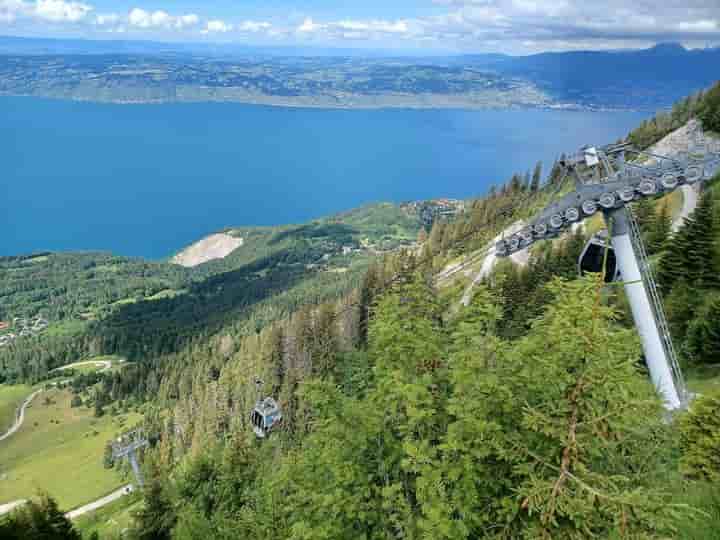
(107,499)
(9,507)
(105,364)
(114,496)
(21,413)
(20,416)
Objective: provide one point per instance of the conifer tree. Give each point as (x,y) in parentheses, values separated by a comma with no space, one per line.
(156,519)
(703,333)
(700,439)
(692,254)
(661,227)
(710,111)
(38,520)
(536,177)
(644,211)
(437,234)
(539,445)
(516,184)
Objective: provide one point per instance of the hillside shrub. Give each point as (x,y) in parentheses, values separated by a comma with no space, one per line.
(710,111)
(41,520)
(700,439)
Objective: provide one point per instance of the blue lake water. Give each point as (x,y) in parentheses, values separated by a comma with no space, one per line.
(149,179)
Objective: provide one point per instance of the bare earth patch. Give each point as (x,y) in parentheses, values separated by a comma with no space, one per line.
(215,246)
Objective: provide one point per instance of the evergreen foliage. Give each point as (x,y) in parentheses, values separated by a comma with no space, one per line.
(660,229)
(703,332)
(700,439)
(536,177)
(457,433)
(710,109)
(521,415)
(651,131)
(692,254)
(38,520)
(156,519)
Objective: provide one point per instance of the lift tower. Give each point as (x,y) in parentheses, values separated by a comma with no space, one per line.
(127,445)
(606,181)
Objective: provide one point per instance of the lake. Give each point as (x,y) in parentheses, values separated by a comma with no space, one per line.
(147,180)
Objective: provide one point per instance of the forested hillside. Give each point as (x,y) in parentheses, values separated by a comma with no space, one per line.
(103,304)
(526,413)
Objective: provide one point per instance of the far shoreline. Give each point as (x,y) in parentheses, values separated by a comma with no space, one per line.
(283,103)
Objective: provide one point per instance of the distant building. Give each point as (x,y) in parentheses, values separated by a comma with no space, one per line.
(429,211)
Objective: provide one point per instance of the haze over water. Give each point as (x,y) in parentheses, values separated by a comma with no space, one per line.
(149,179)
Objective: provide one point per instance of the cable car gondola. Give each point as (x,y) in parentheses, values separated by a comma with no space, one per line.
(265,416)
(591,259)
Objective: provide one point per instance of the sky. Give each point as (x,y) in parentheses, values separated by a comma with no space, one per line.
(508,26)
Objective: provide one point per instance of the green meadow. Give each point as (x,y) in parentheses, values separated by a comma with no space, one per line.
(59,449)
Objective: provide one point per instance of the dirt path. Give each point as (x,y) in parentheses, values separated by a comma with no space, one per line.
(107,499)
(20,416)
(491,258)
(690,200)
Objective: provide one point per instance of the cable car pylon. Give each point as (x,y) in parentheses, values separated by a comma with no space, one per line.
(606,182)
(127,445)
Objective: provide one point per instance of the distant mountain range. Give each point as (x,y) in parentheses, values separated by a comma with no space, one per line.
(634,78)
(647,79)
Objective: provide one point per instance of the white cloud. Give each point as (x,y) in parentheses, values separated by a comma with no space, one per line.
(308,26)
(144,19)
(699,26)
(186,21)
(61,11)
(73,11)
(506,25)
(160,19)
(398,27)
(10,9)
(357,29)
(253,26)
(106,19)
(217,26)
(56,11)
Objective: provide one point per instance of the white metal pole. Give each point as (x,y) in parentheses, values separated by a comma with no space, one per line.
(136,468)
(655,355)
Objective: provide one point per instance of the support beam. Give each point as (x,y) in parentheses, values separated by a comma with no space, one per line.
(136,468)
(655,354)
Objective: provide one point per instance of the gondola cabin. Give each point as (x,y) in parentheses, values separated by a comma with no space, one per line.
(265,416)
(591,259)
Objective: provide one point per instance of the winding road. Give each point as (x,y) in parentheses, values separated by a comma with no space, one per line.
(20,418)
(121,492)
(104,364)
(81,510)
(107,499)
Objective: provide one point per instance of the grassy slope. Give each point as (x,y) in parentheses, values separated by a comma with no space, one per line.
(10,399)
(59,449)
(111,520)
